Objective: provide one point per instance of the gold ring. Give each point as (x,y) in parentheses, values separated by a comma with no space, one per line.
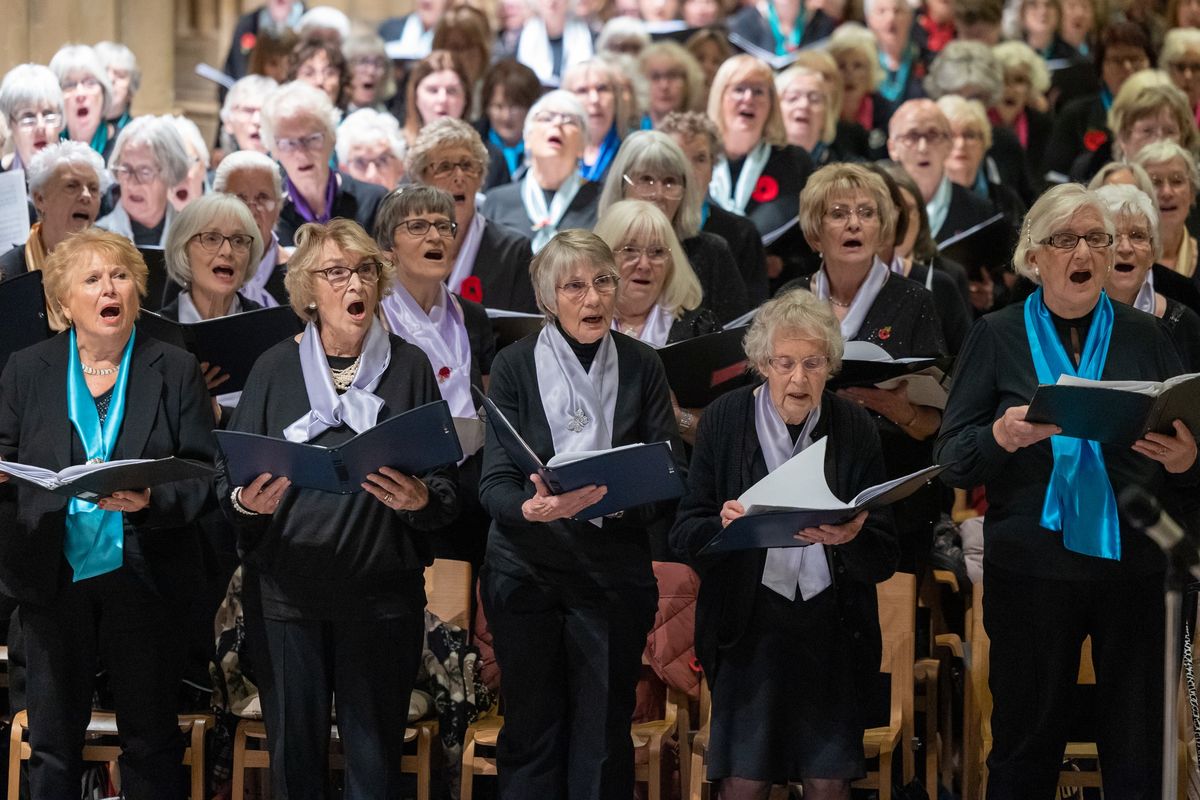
(387,499)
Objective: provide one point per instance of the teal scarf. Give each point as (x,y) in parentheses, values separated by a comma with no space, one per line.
(95,538)
(1079,500)
(99,138)
(785,45)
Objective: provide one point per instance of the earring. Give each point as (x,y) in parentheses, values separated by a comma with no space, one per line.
(311,306)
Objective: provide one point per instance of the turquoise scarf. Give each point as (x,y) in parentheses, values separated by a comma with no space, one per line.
(785,45)
(608,150)
(895,82)
(513,154)
(95,538)
(1079,500)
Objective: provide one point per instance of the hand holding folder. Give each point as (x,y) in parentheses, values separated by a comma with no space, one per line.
(93,481)
(1117,412)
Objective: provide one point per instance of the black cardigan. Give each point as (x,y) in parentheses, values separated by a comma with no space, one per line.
(745,242)
(330,556)
(167,413)
(967,210)
(995,372)
(750,25)
(569,551)
(724,289)
(503,205)
(502,266)
(726,461)
(353,199)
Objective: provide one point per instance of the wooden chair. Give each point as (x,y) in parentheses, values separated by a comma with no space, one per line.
(448,590)
(697,781)
(102,746)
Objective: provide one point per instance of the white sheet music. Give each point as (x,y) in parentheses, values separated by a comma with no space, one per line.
(14,210)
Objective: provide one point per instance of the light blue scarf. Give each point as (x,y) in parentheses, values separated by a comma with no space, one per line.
(608,151)
(1079,499)
(95,539)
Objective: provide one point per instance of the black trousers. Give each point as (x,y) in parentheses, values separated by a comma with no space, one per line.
(570,659)
(116,619)
(371,666)
(1037,627)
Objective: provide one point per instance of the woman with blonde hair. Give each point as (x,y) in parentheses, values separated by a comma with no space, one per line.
(676,80)
(856,52)
(597,84)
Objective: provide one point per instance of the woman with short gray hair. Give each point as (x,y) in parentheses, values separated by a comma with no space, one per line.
(1176,179)
(86,94)
(31,102)
(254,179)
(1059,563)
(124,77)
(787,689)
(550,580)
(967,69)
(370,148)
(241,114)
(148,159)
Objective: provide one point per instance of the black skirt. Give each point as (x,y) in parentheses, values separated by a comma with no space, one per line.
(784,707)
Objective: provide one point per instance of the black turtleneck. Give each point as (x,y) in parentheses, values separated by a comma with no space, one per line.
(1078,327)
(586,353)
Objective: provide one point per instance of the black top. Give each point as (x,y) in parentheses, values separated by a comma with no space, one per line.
(1012,165)
(967,210)
(502,266)
(783,178)
(503,205)
(570,551)
(1182,325)
(330,556)
(953,310)
(995,372)
(727,460)
(1175,286)
(745,242)
(724,290)
(12,263)
(751,25)
(167,413)
(1080,127)
(353,199)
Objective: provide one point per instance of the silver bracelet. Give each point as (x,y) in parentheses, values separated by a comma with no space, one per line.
(235,497)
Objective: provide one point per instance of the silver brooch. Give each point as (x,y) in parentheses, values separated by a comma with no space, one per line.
(578,420)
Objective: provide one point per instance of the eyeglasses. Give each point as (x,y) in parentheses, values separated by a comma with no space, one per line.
(1130,62)
(1176,181)
(30,119)
(557,118)
(313,141)
(444,169)
(631,254)
(375,62)
(931,137)
(755,91)
(1154,131)
(1138,239)
(87,83)
(666,75)
(971,137)
(648,185)
(603,284)
(840,215)
(312,73)
(420,227)
(813,98)
(1185,67)
(212,241)
(340,276)
(380,162)
(139,175)
(783,365)
(260,202)
(1097,240)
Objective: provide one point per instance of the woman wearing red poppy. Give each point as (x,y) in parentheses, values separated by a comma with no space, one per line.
(760,175)
(846,212)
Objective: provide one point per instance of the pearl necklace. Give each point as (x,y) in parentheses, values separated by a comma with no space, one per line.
(97,371)
(342,378)
(839,303)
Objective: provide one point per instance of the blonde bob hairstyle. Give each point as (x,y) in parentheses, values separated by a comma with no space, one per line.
(349,237)
(835,87)
(798,313)
(832,110)
(1016,56)
(1053,209)
(1146,94)
(555,262)
(77,252)
(201,215)
(1128,202)
(854,37)
(693,74)
(740,68)
(963,111)
(629,221)
(834,181)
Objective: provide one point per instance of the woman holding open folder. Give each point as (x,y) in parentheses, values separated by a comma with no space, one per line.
(788,637)
(570,601)
(109,581)
(1059,562)
(340,576)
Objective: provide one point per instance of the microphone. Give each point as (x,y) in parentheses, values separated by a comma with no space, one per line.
(1143,511)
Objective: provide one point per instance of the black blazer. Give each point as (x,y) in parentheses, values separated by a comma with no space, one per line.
(750,25)
(354,200)
(1070,135)
(726,461)
(1173,286)
(724,289)
(502,267)
(503,205)
(782,180)
(12,263)
(167,413)
(953,309)
(498,173)
(967,209)
(745,242)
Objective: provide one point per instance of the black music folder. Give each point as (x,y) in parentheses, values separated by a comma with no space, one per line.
(416,441)
(987,245)
(23,320)
(702,369)
(635,475)
(93,481)
(795,497)
(513,326)
(1117,412)
(233,343)
(867,364)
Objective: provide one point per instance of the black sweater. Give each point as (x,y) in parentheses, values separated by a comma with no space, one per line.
(330,556)
(569,551)
(745,242)
(712,261)
(354,199)
(995,372)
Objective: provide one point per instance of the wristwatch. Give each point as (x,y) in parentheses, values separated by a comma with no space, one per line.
(687,420)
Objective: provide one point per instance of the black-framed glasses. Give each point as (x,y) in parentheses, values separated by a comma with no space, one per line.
(1097,240)
(380,162)
(783,365)
(647,185)
(212,241)
(655,254)
(576,290)
(420,227)
(931,137)
(444,169)
(368,271)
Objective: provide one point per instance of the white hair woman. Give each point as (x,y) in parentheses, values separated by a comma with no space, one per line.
(86,94)
(195,184)
(148,159)
(854,48)
(1176,180)
(32,104)
(370,148)
(124,77)
(254,179)
(241,114)
(787,689)
(1180,57)
(809,115)
(1059,564)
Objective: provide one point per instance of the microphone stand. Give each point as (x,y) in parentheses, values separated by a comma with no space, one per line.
(1174,585)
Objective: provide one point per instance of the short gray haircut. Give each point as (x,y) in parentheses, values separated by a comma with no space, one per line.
(369,43)
(42,166)
(191,135)
(854,36)
(250,161)
(1050,212)
(79,57)
(798,311)
(1130,202)
(626,220)
(962,65)
(554,262)
(1177,43)
(118,56)
(323,18)
(366,126)
(298,99)
(654,151)
(30,86)
(162,137)
(444,133)
(1141,178)
(403,203)
(200,215)
(620,29)
(250,87)
(560,101)
(1014,55)
(1162,151)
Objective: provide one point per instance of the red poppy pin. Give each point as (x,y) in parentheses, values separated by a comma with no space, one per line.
(443,374)
(1092,140)
(884,333)
(248,41)
(766,190)
(471,288)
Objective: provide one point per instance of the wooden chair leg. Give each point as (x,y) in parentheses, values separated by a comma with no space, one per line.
(238,790)
(466,786)
(424,761)
(654,768)
(696,776)
(197,767)
(16,738)
(885,774)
